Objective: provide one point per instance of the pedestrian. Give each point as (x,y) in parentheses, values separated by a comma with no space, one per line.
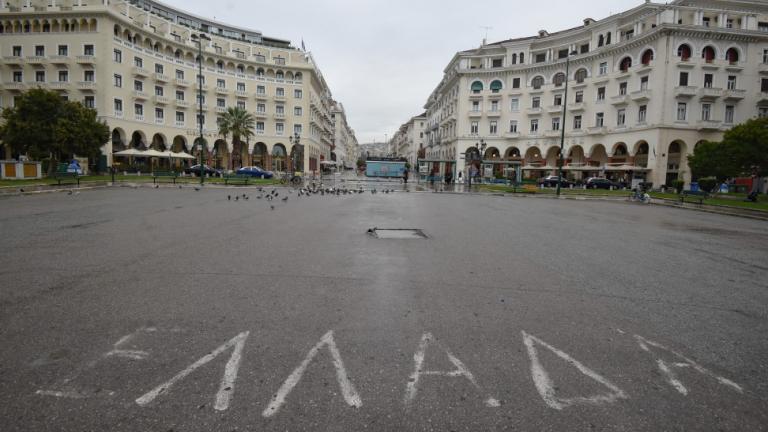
(405,175)
(459,181)
(448,177)
(755,187)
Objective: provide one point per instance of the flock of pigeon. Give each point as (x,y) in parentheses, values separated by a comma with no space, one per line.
(274,194)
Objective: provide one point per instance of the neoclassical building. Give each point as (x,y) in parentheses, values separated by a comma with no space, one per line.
(136,63)
(644,87)
(409,139)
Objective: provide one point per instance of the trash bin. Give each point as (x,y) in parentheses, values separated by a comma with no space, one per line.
(694,186)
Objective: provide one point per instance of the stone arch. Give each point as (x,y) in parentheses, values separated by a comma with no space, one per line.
(298,76)
(492,153)
(537,82)
(576,156)
(625,63)
(179,144)
(558,79)
(619,150)
(552,156)
(159,142)
(138,140)
(598,154)
(733,55)
(260,155)
(709,53)
(118,139)
(220,155)
(250,70)
(512,153)
(647,57)
(641,151)
(684,51)
(279,158)
(676,161)
(533,156)
(93,25)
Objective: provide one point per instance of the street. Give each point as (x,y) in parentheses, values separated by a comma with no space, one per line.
(141,309)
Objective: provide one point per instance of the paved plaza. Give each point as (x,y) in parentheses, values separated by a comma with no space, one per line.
(173,309)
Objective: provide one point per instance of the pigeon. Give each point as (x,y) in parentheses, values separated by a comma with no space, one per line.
(21,190)
(237,198)
(246,197)
(157,186)
(258,197)
(285,199)
(69,192)
(197,189)
(229,197)
(179,186)
(271,207)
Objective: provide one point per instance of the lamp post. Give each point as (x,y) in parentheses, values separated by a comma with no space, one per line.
(199,39)
(476,157)
(295,140)
(562,124)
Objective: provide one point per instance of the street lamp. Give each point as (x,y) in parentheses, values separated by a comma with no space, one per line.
(199,38)
(562,124)
(476,157)
(296,143)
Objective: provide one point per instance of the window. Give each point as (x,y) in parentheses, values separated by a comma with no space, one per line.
(138,109)
(297,111)
(241,87)
(601,93)
(559,79)
(159,113)
(537,82)
(279,128)
(477,87)
(622,88)
(706,21)
(88,50)
(706,111)
(708,54)
(158,68)
(732,55)
(63,76)
(200,100)
(200,119)
(534,126)
(39,51)
(280,92)
(684,52)
(625,64)
(279,109)
(260,127)
(493,129)
(473,128)
(683,79)
(584,49)
(39,76)
(513,126)
(220,83)
(608,38)
(297,94)
(138,86)
(261,108)
(579,96)
(765,56)
(475,106)
(241,104)
(89,76)
(729,109)
(17,51)
(556,123)
(762,112)
(577,122)
(580,75)
(621,117)
(536,102)
(496,86)
(599,118)
(563,53)
(179,74)
(138,62)
(118,106)
(297,129)
(647,57)
(158,91)
(494,106)
(497,63)
(764,85)
(641,113)
(644,83)
(540,58)
(180,117)
(708,79)
(514,104)
(179,95)
(516,81)
(603,68)
(221,103)
(261,90)
(731,82)
(17,76)
(117,56)
(682,111)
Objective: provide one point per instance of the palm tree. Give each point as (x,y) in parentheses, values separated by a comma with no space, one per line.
(239,123)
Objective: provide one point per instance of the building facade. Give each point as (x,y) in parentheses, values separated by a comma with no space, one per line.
(345,146)
(644,87)
(409,139)
(135,62)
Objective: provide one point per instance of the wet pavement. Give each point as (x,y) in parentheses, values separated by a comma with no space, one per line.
(176,309)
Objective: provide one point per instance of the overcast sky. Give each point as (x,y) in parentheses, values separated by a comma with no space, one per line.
(382,58)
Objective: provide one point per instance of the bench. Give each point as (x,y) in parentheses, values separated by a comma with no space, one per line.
(696,195)
(237,178)
(164,174)
(60,176)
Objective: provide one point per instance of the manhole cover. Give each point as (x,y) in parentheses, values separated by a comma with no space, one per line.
(397,233)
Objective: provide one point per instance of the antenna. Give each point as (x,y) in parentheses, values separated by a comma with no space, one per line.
(486,28)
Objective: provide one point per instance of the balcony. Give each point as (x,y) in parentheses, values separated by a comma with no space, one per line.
(734,95)
(261,96)
(59,85)
(181,103)
(555,109)
(140,72)
(641,95)
(552,133)
(621,99)
(60,59)
(475,113)
(762,98)
(161,78)
(139,117)
(493,113)
(36,59)
(222,90)
(86,59)
(118,114)
(710,93)
(259,131)
(86,85)
(734,67)
(279,115)
(203,87)
(710,65)
(221,109)
(241,93)
(159,120)
(685,63)
(179,124)
(576,107)
(182,82)
(13,60)
(512,134)
(279,97)
(17,86)
(685,91)
(160,100)
(763,68)
(598,130)
(709,124)
(534,111)
(140,95)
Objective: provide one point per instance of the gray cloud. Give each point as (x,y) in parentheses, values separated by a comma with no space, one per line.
(382,58)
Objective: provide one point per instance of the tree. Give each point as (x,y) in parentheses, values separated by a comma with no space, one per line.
(744,148)
(712,159)
(236,122)
(42,124)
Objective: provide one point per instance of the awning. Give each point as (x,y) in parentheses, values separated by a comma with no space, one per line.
(129,152)
(182,155)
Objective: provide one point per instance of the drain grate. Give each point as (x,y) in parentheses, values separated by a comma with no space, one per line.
(397,233)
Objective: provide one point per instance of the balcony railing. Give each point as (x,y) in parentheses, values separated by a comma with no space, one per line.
(137,71)
(222,90)
(710,93)
(36,59)
(139,117)
(138,94)
(86,85)
(179,124)
(620,99)
(182,103)
(241,93)
(641,95)
(685,91)
(159,121)
(60,59)
(86,59)
(734,94)
(118,114)
(160,100)
(709,124)
(162,78)
(182,82)
(59,85)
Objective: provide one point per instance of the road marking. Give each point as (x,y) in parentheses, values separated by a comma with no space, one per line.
(61,394)
(669,373)
(351,397)
(227,387)
(546,388)
(461,371)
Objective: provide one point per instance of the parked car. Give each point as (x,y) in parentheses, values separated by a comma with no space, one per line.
(551,181)
(255,171)
(195,169)
(602,183)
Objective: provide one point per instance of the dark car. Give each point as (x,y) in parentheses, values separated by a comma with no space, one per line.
(601,183)
(195,170)
(255,171)
(551,181)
